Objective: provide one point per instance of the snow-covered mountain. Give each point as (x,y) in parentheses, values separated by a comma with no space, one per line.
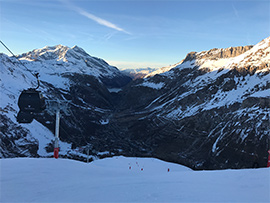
(212,110)
(209,111)
(66,74)
(223,80)
(59,60)
(205,58)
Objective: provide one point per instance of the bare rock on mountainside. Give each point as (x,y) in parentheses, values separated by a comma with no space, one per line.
(216,53)
(212,54)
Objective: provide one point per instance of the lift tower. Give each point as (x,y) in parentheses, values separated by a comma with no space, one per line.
(57,106)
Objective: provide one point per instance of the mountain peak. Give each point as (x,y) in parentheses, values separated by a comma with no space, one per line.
(60,59)
(57,48)
(75,47)
(79,50)
(57,52)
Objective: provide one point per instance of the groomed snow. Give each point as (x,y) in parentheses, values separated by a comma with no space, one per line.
(121,179)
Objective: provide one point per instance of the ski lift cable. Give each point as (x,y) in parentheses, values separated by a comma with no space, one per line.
(36,75)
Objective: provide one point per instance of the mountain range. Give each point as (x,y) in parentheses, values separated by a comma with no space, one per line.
(209,111)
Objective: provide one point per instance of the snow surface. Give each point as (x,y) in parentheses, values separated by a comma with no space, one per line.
(116,90)
(44,137)
(153,85)
(121,179)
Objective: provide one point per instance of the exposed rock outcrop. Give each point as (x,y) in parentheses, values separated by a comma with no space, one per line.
(215,53)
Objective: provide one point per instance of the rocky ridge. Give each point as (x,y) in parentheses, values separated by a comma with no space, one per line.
(212,54)
(216,53)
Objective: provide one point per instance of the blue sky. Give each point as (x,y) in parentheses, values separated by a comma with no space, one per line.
(133,33)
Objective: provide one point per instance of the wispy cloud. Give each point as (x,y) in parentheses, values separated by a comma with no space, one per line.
(235,12)
(100,20)
(90,16)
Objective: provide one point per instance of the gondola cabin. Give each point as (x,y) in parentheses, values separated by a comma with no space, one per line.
(31,100)
(25,117)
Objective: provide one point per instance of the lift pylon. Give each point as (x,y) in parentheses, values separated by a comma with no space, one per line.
(55,106)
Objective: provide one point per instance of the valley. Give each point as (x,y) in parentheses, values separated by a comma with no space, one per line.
(209,111)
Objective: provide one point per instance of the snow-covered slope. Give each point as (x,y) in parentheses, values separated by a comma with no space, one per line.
(112,180)
(62,59)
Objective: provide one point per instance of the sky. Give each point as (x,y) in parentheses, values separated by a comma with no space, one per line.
(133,33)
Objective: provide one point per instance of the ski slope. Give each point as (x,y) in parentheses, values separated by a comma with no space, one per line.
(121,179)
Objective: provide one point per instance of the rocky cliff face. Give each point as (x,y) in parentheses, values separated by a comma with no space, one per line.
(215,53)
(212,54)
(210,111)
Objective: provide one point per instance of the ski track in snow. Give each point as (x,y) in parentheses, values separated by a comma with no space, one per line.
(121,179)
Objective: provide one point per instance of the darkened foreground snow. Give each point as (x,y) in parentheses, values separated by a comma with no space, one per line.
(121,179)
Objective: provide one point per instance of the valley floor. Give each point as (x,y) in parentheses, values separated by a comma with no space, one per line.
(121,179)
